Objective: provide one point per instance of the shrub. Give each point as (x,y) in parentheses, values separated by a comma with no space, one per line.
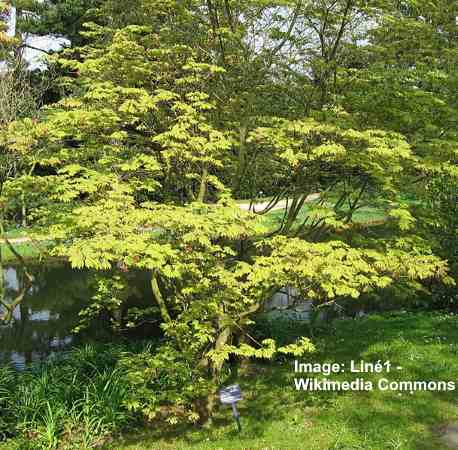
(283,330)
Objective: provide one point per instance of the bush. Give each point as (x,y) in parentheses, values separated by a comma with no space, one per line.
(165,385)
(283,330)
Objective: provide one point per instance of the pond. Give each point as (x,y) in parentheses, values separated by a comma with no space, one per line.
(42,323)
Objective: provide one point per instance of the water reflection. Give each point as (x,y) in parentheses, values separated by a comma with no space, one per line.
(42,323)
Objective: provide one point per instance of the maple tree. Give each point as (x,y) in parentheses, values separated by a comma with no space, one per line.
(177,108)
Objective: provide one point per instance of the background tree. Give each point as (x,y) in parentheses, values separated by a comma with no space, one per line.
(58,18)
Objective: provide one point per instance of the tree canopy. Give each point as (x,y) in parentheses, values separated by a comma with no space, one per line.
(171,111)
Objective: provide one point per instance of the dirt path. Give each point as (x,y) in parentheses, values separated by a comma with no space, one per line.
(16,241)
(450,436)
(280,205)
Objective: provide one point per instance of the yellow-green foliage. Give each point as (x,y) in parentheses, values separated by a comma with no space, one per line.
(134,169)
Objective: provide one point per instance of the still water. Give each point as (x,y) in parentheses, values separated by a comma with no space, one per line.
(42,323)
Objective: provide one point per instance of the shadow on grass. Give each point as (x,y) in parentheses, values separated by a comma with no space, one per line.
(275,415)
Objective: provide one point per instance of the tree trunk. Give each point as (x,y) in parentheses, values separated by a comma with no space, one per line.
(243,131)
(23,210)
(207,407)
(203,185)
(159,299)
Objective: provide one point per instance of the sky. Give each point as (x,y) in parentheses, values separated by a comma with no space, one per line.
(47,43)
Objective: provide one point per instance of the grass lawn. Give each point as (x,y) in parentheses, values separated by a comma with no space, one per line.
(362,216)
(16,233)
(276,416)
(26,250)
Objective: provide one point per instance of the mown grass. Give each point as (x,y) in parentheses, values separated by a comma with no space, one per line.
(365,215)
(15,233)
(26,249)
(78,402)
(275,416)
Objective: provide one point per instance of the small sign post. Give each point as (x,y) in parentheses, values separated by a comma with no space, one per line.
(230,395)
